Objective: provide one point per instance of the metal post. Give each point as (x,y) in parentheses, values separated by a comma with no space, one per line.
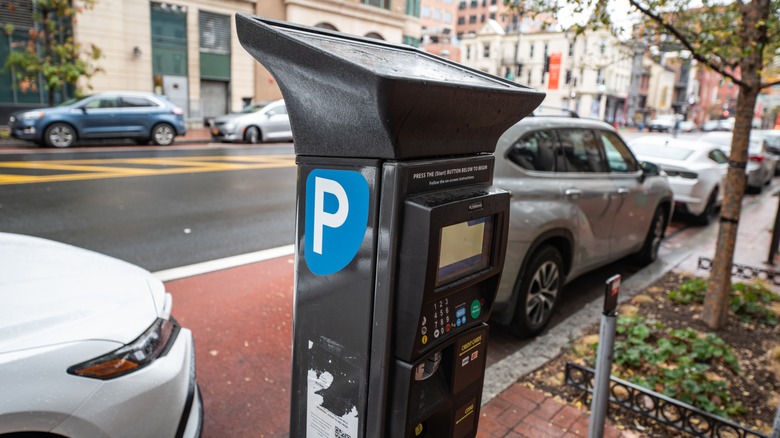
(600,398)
(775,235)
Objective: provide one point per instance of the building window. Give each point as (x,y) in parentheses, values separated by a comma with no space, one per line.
(600,76)
(571,48)
(437,14)
(531,50)
(482,18)
(384,4)
(486,50)
(461,20)
(468,51)
(447,17)
(568,77)
(462,5)
(412,7)
(473,3)
(425,11)
(529,77)
(492,15)
(492,2)
(472,19)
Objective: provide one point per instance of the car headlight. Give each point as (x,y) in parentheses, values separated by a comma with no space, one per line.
(153,343)
(229,126)
(32,115)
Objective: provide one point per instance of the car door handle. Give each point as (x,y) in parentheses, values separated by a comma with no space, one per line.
(622,191)
(573,193)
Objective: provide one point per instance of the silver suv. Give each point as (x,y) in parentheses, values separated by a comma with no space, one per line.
(580,200)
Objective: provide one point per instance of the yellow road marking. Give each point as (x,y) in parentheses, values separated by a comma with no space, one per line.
(74,170)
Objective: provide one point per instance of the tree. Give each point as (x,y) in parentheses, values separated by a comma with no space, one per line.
(738,39)
(51,54)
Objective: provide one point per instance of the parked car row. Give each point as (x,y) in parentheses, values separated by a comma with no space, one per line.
(143,118)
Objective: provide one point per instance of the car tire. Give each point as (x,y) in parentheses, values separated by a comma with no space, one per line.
(252,135)
(59,135)
(163,134)
(537,292)
(706,216)
(649,252)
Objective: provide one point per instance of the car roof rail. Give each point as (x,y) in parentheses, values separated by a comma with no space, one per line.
(555,112)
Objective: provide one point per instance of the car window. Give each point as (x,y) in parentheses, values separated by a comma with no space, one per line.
(103,102)
(281,109)
(581,151)
(136,101)
(718,156)
(535,151)
(619,158)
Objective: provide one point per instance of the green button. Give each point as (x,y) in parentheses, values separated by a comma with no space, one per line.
(476,309)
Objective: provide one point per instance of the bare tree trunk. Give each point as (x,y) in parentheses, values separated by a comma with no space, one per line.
(717,299)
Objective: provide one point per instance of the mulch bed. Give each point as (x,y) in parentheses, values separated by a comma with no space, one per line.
(757,387)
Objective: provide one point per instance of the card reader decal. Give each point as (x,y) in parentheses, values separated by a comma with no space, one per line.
(336,218)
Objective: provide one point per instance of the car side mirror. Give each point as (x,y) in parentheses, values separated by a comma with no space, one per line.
(649,169)
(83,109)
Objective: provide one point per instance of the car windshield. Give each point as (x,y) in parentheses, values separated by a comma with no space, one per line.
(255,107)
(72,100)
(657,151)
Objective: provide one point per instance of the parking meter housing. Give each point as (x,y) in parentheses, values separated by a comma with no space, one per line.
(400,235)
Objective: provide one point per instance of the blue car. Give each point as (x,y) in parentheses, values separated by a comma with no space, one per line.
(142,117)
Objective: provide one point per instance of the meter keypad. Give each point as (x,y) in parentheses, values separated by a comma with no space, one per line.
(447,315)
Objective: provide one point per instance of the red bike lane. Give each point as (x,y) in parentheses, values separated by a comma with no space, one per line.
(241,319)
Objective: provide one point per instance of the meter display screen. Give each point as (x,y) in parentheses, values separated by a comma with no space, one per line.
(464,248)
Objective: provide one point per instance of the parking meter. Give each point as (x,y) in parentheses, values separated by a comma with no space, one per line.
(400,235)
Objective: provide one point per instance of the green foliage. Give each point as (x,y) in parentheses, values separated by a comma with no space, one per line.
(51,51)
(749,302)
(692,291)
(679,363)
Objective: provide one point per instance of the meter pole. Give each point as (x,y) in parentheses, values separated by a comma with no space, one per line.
(600,400)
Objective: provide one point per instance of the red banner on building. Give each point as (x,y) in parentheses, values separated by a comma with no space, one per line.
(555,70)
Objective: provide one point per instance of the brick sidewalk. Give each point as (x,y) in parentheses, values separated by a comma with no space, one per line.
(520,411)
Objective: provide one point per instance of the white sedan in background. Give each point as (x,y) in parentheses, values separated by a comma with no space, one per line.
(88,347)
(696,172)
(761,165)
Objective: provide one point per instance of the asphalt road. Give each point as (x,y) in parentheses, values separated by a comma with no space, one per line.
(148,210)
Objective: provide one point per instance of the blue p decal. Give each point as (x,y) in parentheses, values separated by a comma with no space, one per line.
(336,218)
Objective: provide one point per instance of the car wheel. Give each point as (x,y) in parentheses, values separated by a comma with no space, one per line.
(59,135)
(655,235)
(163,134)
(252,135)
(538,292)
(706,216)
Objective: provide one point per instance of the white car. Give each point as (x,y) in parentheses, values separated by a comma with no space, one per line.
(88,347)
(696,172)
(760,166)
(261,122)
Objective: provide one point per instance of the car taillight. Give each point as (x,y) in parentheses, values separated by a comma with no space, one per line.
(756,158)
(177,111)
(153,343)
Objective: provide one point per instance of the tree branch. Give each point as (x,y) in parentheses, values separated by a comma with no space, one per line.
(684,41)
(768,84)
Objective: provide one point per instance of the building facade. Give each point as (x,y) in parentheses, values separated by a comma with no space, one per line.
(588,73)
(189,51)
(437,21)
